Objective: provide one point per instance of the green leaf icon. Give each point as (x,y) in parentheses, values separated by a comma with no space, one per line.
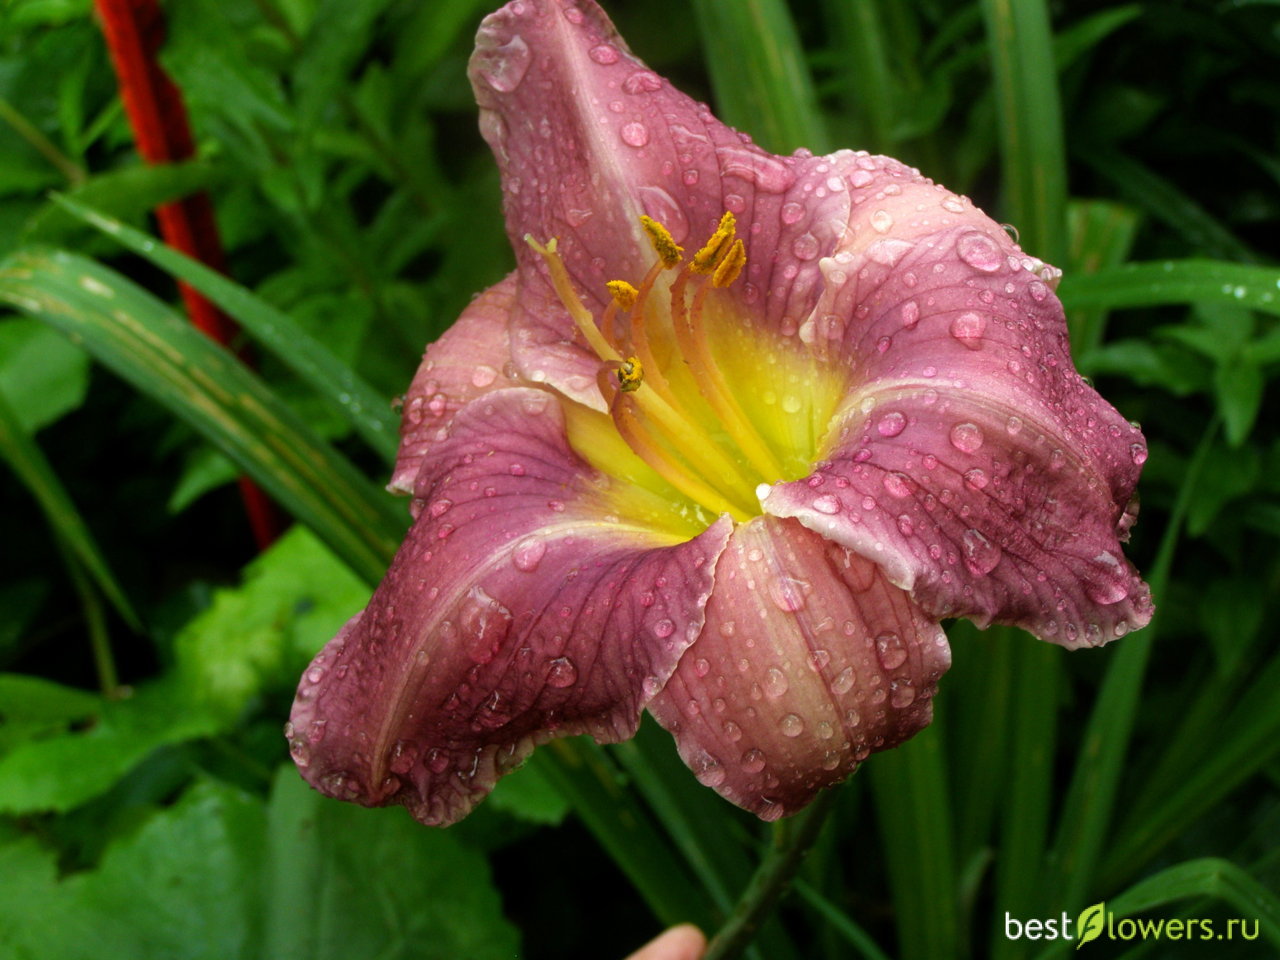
(1090,923)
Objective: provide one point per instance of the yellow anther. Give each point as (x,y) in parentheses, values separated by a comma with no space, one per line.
(664,245)
(714,250)
(728,269)
(624,294)
(630,374)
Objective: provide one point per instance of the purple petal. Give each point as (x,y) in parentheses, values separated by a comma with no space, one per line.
(587,139)
(809,660)
(969,458)
(524,605)
(468,360)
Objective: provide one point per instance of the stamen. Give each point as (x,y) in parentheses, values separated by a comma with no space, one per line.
(630,375)
(623,293)
(569,297)
(706,259)
(691,335)
(664,245)
(639,440)
(730,266)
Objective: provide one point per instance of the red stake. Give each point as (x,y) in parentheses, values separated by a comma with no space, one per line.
(135,31)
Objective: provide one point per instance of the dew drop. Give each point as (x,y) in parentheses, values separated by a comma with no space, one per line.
(561,673)
(979,251)
(663,629)
(1138,452)
(642,81)
(805,246)
(844,681)
(910,314)
(891,651)
(788,593)
(968,329)
(791,725)
(634,134)
(881,221)
(827,504)
(891,424)
(775,683)
(1013,426)
(604,54)
(901,694)
(440,507)
(976,478)
(980,554)
(792,212)
(888,252)
(528,554)
(753,760)
(768,173)
(966,437)
(898,484)
(504,67)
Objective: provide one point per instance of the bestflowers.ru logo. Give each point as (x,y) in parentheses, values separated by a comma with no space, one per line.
(1096,922)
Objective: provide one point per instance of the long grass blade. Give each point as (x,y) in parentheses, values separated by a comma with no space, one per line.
(758,72)
(365,409)
(1090,799)
(28,462)
(140,339)
(1101,237)
(913,808)
(1032,154)
(1175,281)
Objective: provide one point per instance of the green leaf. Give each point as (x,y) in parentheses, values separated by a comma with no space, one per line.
(255,637)
(1032,154)
(141,339)
(185,887)
(1175,281)
(759,74)
(205,470)
(27,460)
(344,882)
(1239,389)
(366,410)
(1101,235)
(41,375)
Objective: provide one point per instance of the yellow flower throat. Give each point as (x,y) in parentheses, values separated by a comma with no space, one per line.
(711,406)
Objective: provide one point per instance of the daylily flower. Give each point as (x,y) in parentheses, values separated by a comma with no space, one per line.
(737,484)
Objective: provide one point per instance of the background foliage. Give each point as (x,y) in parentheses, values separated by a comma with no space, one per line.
(148,658)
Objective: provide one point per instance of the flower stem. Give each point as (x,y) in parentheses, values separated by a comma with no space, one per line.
(792,839)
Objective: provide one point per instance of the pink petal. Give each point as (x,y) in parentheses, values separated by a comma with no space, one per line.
(809,660)
(522,606)
(587,139)
(970,459)
(469,359)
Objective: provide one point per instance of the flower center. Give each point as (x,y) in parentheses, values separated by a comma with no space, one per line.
(692,387)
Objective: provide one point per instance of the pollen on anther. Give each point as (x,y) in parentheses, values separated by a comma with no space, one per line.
(717,247)
(630,375)
(664,245)
(624,294)
(728,269)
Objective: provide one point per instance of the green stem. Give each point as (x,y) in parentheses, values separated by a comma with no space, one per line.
(792,839)
(104,661)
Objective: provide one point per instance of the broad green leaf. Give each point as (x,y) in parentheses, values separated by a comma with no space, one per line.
(206,469)
(1239,388)
(139,338)
(529,795)
(252,638)
(759,74)
(364,408)
(41,375)
(343,882)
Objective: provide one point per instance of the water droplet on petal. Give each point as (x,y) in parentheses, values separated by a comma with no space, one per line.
(844,681)
(827,504)
(1013,425)
(440,507)
(663,629)
(976,478)
(775,683)
(634,134)
(1138,451)
(753,760)
(642,81)
(979,251)
(791,725)
(788,593)
(767,172)
(888,252)
(891,651)
(403,756)
(966,437)
(980,554)
(805,246)
(504,67)
(528,554)
(891,424)
(898,484)
(968,329)
(561,673)
(604,54)
(901,694)
(881,221)
(910,314)
(792,212)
